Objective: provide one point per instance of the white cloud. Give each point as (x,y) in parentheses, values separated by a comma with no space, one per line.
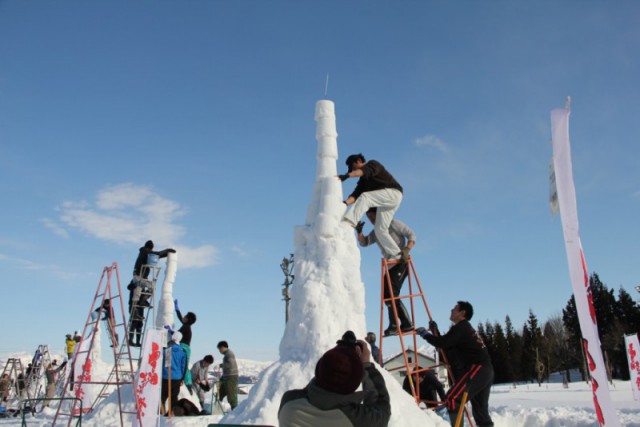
(55,227)
(129,213)
(432,141)
(239,251)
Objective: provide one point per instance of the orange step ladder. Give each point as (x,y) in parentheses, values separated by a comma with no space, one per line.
(408,339)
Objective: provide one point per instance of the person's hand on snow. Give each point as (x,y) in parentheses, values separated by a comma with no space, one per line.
(168,328)
(344,177)
(173,251)
(175,304)
(359,227)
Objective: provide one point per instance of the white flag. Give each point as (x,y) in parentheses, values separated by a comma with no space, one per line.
(633,355)
(605,412)
(83,375)
(149,379)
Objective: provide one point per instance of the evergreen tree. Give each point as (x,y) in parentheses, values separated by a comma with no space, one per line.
(514,346)
(500,357)
(531,337)
(572,325)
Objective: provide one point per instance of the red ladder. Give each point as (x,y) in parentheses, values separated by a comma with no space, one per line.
(411,365)
(122,373)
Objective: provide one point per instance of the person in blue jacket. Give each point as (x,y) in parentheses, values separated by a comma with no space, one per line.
(178,359)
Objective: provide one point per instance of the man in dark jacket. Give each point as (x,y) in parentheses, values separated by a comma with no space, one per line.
(376,188)
(431,389)
(330,399)
(140,272)
(477,370)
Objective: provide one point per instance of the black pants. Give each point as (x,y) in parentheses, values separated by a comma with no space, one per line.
(397,274)
(175,390)
(476,381)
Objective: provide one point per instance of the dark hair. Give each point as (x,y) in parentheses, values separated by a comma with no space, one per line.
(208,358)
(373,209)
(222,344)
(354,158)
(191,318)
(371,337)
(467,308)
(149,244)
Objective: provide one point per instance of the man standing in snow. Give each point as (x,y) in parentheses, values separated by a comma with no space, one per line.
(475,361)
(405,238)
(376,187)
(229,380)
(330,398)
(51,374)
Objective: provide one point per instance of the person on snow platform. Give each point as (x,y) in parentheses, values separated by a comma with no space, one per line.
(477,370)
(51,373)
(331,399)
(376,187)
(187,320)
(405,238)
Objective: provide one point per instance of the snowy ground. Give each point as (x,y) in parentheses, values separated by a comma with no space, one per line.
(549,405)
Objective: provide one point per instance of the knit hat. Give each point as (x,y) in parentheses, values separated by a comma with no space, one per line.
(339,370)
(176,337)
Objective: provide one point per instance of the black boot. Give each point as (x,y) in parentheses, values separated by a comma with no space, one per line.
(406,324)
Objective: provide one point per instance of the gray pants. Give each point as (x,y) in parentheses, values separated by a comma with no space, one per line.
(387,201)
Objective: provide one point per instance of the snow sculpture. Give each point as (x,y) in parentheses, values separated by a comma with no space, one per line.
(327,297)
(164,314)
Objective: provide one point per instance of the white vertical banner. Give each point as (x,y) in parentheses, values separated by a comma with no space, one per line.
(632,346)
(148,381)
(605,412)
(83,373)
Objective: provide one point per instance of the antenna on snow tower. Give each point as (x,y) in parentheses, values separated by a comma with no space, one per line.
(326,85)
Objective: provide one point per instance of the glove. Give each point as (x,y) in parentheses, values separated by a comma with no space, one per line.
(175,304)
(359,227)
(422,332)
(168,328)
(173,251)
(343,177)
(205,386)
(404,255)
(433,325)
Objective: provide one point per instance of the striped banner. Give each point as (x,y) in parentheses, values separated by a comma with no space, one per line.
(605,412)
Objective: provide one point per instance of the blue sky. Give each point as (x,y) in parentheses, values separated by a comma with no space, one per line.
(191,123)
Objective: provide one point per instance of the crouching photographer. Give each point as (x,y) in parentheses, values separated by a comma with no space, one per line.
(331,398)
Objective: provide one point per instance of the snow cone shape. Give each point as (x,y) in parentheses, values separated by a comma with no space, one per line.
(327,297)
